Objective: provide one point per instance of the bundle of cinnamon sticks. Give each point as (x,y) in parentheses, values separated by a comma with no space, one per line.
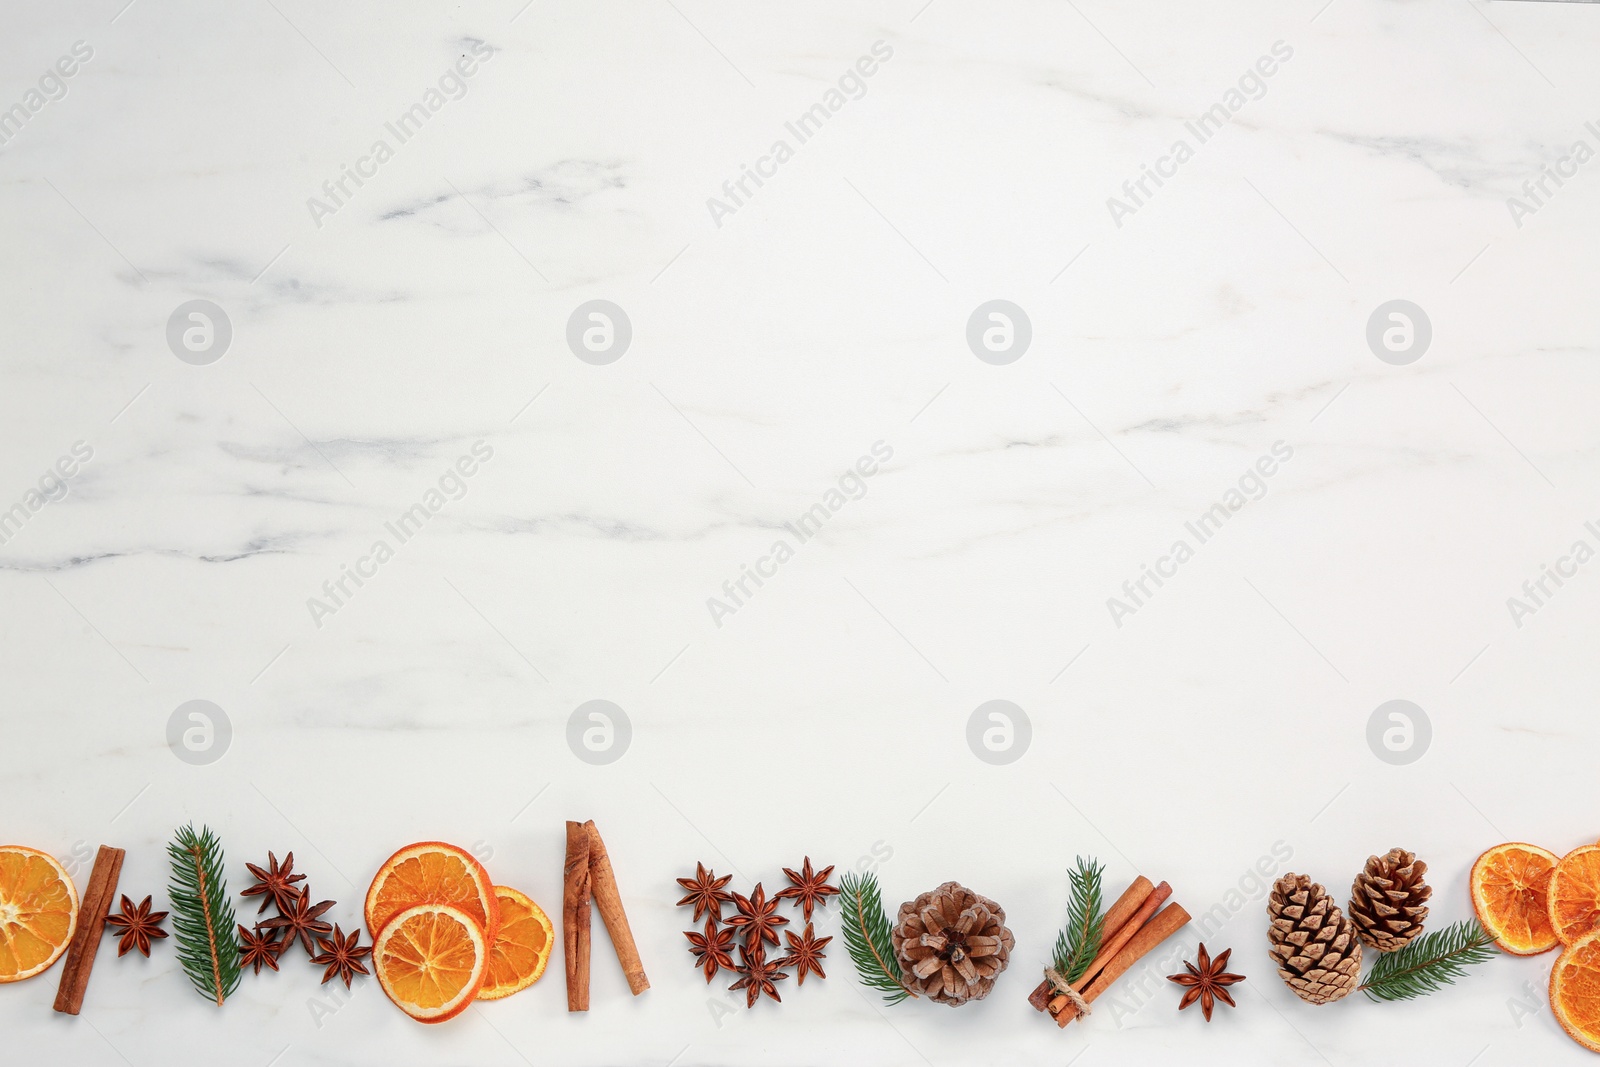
(587,874)
(1132,928)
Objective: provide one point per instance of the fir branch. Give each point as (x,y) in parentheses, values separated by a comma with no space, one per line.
(1429,963)
(1079,943)
(866,935)
(202,915)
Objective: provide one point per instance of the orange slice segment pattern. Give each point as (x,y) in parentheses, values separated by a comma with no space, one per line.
(1509,894)
(521,949)
(1574,894)
(38,912)
(431,961)
(432,872)
(1575,991)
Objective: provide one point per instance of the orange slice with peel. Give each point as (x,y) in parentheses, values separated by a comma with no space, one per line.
(1575,991)
(431,960)
(432,872)
(1509,894)
(38,912)
(521,949)
(1574,894)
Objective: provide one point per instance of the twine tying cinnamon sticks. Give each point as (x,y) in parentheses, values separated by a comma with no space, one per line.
(586,875)
(1059,982)
(1133,926)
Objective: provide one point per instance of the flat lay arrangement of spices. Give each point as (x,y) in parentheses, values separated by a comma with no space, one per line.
(445,937)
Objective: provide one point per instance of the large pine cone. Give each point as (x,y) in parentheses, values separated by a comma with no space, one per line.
(951,944)
(1314,945)
(1388,902)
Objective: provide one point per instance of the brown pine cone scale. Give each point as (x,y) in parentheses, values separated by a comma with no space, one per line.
(951,944)
(1314,945)
(1388,902)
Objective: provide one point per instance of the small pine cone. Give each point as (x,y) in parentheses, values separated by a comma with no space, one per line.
(1314,945)
(1388,902)
(951,944)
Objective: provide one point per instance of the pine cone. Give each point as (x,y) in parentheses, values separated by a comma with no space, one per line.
(951,944)
(1389,900)
(1314,945)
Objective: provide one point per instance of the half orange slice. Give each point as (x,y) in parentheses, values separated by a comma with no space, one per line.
(431,961)
(1575,991)
(1574,894)
(38,912)
(522,947)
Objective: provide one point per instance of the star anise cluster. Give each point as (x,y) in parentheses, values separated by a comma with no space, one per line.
(753,925)
(297,919)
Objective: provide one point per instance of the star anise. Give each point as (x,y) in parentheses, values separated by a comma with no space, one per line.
(1207,983)
(809,890)
(757,975)
(259,948)
(706,892)
(275,885)
(301,919)
(139,926)
(757,917)
(805,954)
(713,950)
(341,956)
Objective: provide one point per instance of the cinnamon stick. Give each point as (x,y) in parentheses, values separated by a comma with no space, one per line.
(1169,921)
(609,900)
(92,912)
(575,890)
(1125,906)
(1158,896)
(1116,917)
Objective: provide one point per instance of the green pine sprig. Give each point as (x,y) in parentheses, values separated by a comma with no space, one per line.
(202,914)
(866,935)
(1079,942)
(1429,963)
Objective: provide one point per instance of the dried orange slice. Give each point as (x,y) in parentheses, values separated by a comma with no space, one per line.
(1574,895)
(521,949)
(1575,991)
(432,872)
(1509,884)
(431,961)
(38,912)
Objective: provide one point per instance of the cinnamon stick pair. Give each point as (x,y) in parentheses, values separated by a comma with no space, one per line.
(1133,927)
(587,874)
(92,912)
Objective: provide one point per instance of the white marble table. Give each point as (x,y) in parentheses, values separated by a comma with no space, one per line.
(396,219)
